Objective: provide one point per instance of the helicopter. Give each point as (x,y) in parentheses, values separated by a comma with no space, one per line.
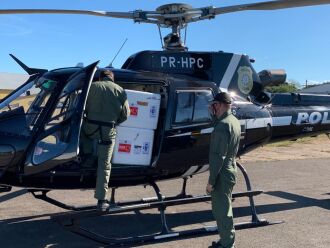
(39,141)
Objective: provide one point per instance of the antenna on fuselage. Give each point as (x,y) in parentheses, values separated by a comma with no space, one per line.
(110,65)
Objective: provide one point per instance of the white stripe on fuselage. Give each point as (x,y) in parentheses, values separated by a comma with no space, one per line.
(204,168)
(249,124)
(203,131)
(231,69)
(181,134)
(190,172)
(194,170)
(207,130)
(282,121)
(252,124)
(258,123)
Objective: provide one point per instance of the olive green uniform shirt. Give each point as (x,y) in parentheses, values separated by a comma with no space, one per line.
(106,102)
(223,145)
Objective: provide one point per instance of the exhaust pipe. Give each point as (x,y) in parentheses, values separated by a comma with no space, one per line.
(272,77)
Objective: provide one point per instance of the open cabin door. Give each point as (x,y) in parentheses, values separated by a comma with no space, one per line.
(57,142)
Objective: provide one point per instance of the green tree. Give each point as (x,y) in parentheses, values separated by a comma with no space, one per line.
(286,87)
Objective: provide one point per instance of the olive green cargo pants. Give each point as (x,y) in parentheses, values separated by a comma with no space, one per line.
(221,206)
(105,146)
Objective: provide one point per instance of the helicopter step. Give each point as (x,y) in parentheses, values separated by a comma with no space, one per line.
(70,220)
(42,195)
(173,200)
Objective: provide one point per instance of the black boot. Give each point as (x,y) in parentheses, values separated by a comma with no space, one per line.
(102,205)
(215,244)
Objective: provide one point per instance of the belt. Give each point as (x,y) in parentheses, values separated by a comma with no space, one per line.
(111,124)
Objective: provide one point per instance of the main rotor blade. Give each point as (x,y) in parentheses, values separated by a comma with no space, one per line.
(186,16)
(128,15)
(272,5)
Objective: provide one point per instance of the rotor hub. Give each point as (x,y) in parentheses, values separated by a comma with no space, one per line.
(174,16)
(174,8)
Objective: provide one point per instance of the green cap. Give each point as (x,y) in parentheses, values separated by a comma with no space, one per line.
(222,97)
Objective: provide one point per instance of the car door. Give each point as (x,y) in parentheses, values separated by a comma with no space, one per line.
(58,140)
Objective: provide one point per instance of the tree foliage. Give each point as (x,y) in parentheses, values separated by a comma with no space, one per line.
(282,88)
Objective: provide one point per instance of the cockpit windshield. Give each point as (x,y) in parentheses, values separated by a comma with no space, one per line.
(24,105)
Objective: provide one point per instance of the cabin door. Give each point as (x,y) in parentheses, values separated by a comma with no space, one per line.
(58,142)
(187,141)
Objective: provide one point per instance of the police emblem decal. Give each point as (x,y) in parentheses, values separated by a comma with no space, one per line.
(245,81)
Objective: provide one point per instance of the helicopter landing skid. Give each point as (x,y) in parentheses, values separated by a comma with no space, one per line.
(70,221)
(5,188)
(42,195)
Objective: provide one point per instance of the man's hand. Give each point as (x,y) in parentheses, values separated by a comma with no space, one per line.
(209,188)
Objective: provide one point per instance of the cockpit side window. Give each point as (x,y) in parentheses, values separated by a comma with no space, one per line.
(20,98)
(192,107)
(21,109)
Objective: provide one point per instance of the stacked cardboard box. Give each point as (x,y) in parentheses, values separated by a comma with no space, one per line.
(134,140)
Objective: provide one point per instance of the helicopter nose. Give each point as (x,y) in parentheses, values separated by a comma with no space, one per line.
(7,154)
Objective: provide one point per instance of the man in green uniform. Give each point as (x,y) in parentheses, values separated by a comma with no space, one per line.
(223,149)
(106,107)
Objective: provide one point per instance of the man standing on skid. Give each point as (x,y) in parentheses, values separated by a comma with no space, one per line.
(106,107)
(223,149)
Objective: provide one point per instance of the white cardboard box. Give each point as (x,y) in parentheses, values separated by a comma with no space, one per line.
(133,146)
(144,109)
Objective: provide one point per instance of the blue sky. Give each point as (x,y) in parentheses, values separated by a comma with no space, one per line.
(297,40)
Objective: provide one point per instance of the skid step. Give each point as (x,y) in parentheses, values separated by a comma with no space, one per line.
(172,200)
(125,207)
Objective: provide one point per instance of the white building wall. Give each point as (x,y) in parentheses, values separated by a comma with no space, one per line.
(318,89)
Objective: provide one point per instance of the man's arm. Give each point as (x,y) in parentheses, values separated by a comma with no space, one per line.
(125,112)
(218,152)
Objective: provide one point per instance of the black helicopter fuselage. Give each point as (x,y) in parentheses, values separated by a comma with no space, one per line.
(185,81)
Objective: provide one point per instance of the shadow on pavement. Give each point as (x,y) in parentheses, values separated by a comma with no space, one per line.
(12,195)
(39,233)
(298,201)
